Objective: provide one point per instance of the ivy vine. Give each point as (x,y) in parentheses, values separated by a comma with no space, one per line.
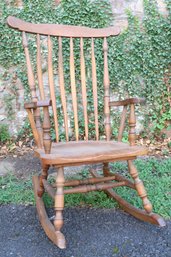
(139,59)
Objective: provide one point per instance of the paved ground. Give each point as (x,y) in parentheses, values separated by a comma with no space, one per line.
(89,233)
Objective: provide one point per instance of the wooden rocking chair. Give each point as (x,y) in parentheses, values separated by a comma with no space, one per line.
(78,152)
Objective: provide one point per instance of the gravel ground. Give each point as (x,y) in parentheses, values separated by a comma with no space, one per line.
(89,233)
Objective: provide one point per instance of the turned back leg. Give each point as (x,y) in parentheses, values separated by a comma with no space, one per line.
(43,175)
(106,170)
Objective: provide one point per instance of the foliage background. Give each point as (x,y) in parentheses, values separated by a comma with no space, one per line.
(139,58)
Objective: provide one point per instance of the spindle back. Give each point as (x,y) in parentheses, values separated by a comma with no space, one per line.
(56,33)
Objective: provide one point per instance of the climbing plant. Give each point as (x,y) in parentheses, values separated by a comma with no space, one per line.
(139,59)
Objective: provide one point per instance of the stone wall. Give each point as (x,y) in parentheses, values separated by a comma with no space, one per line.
(11,100)
(11,88)
(119,8)
(136,6)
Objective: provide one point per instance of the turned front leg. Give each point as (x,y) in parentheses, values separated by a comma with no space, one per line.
(139,187)
(59,206)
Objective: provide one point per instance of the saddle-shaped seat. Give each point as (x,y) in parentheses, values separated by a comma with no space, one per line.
(75,153)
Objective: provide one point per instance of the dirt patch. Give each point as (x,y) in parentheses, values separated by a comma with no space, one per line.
(21,166)
(25,165)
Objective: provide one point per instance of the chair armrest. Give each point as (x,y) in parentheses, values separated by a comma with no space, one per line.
(34,105)
(132,118)
(127,102)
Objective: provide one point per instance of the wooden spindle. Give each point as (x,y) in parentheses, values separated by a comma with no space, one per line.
(33,126)
(132,123)
(83,85)
(139,187)
(106,92)
(94,84)
(39,69)
(122,123)
(32,86)
(89,188)
(46,131)
(88,181)
(52,89)
(83,188)
(73,89)
(31,81)
(62,87)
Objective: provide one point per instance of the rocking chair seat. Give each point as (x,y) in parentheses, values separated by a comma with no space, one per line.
(73,153)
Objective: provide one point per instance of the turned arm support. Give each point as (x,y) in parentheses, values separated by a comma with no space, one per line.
(132,119)
(41,139)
